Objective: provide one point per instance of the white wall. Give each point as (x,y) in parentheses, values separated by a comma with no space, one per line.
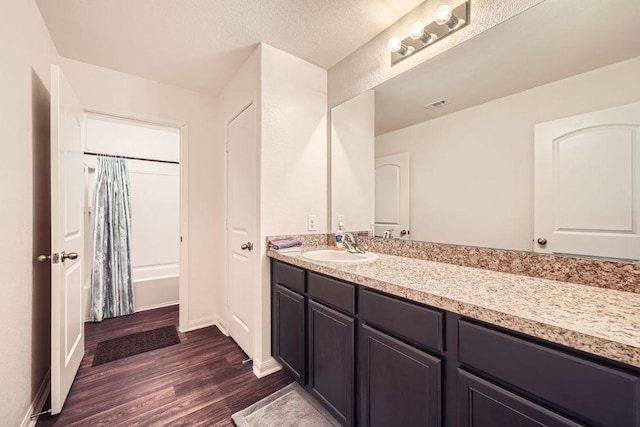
(109,135)
(352,162)
(155,205)
(293,163)
(472,171)
(242,90)
(292,102)
(25,226)
(155,233)
(112,92)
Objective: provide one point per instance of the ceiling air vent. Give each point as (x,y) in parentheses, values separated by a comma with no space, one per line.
(437,104)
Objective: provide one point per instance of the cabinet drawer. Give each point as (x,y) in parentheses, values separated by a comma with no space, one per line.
(288,276)
(585,390)
(406,320)
(334,292)
(483,404)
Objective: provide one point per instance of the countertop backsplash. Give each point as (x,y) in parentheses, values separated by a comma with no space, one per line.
(609,274)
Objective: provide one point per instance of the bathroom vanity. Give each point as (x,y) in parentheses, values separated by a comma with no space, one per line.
(403,341)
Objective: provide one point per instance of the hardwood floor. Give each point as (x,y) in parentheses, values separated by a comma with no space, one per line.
(199,382)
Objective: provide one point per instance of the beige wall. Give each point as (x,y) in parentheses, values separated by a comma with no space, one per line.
(472,171)
(294,143)
(293,162)
(352,162)
(108,91)
(370,65)
(27,52)
(291,97)
(242,90)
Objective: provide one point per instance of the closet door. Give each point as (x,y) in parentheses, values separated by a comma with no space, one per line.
(587,184)
(242,214)
(67,238)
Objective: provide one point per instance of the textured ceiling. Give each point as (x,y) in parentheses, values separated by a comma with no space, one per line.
(199,44)
(550,41)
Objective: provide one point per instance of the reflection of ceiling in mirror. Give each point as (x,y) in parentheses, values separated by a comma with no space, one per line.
(551,41)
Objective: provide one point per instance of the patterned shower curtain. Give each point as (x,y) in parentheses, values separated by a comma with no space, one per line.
(111,285)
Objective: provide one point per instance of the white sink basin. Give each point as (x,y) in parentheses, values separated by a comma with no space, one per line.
(329,255)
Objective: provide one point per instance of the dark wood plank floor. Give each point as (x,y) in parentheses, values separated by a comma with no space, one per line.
(199,382)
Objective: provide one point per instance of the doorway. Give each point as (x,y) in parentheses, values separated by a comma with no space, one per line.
(153,154)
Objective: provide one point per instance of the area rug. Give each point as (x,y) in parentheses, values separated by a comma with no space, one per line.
(128,345)
(290,406)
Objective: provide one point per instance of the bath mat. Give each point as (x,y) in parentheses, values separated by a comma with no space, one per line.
(128,345)
(288,407)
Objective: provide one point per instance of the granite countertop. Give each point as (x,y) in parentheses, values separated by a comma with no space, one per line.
(600,321)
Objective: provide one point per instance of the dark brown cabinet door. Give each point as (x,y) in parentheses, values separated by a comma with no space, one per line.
(400,385)
(483,404)
(331,360)
(289,331)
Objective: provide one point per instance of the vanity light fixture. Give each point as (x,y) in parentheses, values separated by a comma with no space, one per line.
(447,20)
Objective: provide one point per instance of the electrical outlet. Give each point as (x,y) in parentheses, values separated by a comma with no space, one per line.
(340,219)
(311,222)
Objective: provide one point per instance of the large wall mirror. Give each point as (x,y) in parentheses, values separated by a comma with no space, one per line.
(471,160)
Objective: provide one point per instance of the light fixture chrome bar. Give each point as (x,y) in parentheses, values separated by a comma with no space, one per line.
(432,33)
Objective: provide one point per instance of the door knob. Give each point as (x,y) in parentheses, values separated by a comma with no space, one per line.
(247,246)
(70,255)
(542,241)
(403,232)
(44,258)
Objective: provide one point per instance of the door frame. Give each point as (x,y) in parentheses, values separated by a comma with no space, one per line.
(183,129)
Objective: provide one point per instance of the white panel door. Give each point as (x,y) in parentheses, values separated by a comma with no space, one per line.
(242,216)
(392,195)
(587,184)
(67,186)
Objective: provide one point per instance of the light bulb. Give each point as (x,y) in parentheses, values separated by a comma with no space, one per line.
(445,16)
(417,31)
(395,45)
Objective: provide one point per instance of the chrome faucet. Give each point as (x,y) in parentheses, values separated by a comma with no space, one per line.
(388,234)
(350,243)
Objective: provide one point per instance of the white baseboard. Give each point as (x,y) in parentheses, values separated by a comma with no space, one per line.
(221,324)
(202,322)
(262,369)
(151,307)
(38,402)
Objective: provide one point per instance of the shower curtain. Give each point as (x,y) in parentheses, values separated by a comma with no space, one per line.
(111,284)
